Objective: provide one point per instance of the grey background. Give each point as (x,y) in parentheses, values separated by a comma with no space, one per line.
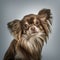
(12,9)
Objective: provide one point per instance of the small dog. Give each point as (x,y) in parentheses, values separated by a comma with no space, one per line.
(30,33)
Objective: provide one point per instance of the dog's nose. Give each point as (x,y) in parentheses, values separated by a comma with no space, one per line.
(33,28)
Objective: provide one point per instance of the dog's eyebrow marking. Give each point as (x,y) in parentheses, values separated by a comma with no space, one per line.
(35,20)
(26,22)
(31,20)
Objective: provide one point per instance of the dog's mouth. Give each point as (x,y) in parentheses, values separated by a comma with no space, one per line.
(34,33)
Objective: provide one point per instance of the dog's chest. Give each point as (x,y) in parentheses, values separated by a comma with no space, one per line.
(19,55)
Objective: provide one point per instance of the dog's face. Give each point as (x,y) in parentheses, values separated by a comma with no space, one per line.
(14,26)
(31,25)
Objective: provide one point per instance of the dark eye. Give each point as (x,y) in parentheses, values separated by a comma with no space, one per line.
(25,26)
(37,23)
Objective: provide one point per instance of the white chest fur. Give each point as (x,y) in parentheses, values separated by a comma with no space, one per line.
(19,55)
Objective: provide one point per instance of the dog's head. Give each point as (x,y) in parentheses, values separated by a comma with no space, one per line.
(33,24)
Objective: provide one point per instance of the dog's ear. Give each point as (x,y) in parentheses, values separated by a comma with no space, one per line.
(45,14)
(15,27)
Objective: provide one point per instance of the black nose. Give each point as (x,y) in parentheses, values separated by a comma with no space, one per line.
(33,28)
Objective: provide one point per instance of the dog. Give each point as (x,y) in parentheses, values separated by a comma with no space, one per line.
(29,33)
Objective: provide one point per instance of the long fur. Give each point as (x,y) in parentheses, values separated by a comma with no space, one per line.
(30,47)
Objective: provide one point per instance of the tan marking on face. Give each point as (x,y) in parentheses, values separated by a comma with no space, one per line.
(35,20)
(26,22)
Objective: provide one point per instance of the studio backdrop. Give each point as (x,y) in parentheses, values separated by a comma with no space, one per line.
(17,9)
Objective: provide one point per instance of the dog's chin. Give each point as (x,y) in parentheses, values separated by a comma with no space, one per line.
(34,33)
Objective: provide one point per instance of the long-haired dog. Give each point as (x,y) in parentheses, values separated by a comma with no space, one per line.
(30,33)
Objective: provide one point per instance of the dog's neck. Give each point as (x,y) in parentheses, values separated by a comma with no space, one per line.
(27,37)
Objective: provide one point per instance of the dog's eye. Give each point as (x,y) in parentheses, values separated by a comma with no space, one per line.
(25,26)
(37,23)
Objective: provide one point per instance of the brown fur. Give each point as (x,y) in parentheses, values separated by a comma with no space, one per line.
(28,46)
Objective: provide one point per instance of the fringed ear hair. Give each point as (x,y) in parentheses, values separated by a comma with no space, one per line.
(45,14)
(45,17)
(15,27)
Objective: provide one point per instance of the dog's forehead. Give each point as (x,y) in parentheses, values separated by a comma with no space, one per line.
(30,19)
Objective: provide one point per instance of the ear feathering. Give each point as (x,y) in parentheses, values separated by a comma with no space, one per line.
(15,28)
(45,17)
